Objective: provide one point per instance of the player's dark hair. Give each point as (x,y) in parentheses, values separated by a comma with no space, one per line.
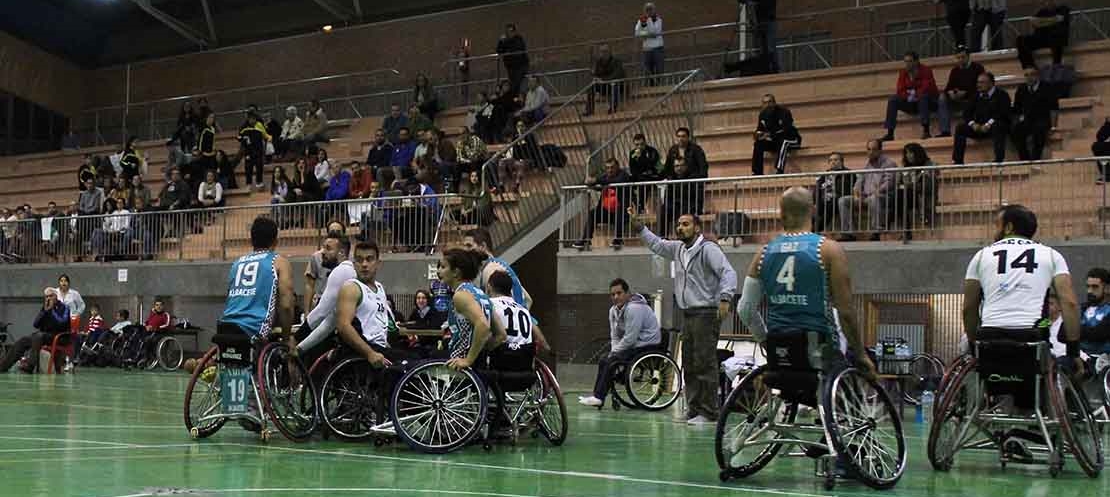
(1100,273)
(264,233)
(619,281)
(466,261)
(368,245)
(501,283)
(1021,218)
(481,236)
(124,313)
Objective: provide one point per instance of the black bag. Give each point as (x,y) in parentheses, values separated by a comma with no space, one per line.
(1059,76)
(553,156)
(732,224)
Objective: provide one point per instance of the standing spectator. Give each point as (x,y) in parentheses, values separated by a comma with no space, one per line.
(957,13)
(139,190)
(633,329)
(872,189)
(915,197)
(253,140)
(644,164)
(513,53)
(424,97)
(85,171)
(203,109)
(776,133)
(54,225)
(831,188)
(225,168)
(987,117)
(418,121)
(477,204)
(704,284)
(89,203)
(7,231)
(380,154)
(1101,148)
(650,28)
(610,206)
(144,228)
(207,144)
(483,117)
(186,132)
(766,15)
(315,125)
(322,170)
(175,196)
(608,80)
(504,105)
(107,240)
(535,102)
(1036,109)
(393,123)
(1051,25)
(51,320)
(959,91)
(130,163)
(72,300)
(691,153)
(403,151)
(292,133)
(987,13)
(917,94)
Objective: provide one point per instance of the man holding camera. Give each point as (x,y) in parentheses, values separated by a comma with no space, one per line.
(51,320)
(650,28)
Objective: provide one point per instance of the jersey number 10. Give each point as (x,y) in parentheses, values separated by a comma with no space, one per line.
(521,320)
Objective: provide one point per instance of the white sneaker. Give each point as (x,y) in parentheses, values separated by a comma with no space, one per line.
(699,420)
(591,401)
(68,367)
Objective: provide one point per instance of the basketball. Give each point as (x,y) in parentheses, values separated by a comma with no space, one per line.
(189,366)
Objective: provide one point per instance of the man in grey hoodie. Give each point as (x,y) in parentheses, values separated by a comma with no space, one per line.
(704,283)
(633,328)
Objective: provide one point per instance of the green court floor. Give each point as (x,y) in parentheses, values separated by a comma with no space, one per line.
(110,433)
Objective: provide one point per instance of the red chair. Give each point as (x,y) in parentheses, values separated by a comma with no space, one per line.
(56,346)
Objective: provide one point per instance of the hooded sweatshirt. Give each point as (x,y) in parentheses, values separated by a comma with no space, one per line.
(703,276)
(633,325)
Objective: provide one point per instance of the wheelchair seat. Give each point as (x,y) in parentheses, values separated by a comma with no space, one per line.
(235,346)
(793,364)
(1011,367)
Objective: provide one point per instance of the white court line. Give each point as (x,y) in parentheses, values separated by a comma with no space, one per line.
(67,440)
(328,490)
(85,385)
(596,417)
(98,427)
(119,447)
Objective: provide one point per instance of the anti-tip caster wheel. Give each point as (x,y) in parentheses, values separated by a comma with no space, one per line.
(724,475)
(378,442)
(487,447)
(265,435)
(194,432)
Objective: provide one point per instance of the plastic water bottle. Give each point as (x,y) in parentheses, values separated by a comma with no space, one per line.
(925,407)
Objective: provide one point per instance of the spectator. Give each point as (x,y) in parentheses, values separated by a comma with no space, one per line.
(71,141)
(776,133)
(89,203)
(960,90)
(203,109)
(323,170)
(608,80)
(292,133)
(1036,109)
(424,97)
(987,117)
(418,121)
(830,188)
(175,196)
(123,320)
(253,139)
(872,189)
(424,316)
(917,94)
(767,32)
(51,320)
(691,153)
(121,192)
(273,130)
(471,151)
(686,197)
(446,160)
(483,117)
(306,187)
(210,193)
(633,329)
(1051,24)
(477,205)
(644,164)
(87,340)
(339,183)
(108,239)
(650,28)
(362,185)
(144,229)
(1101,148)
(610,207)
(403,152)
(225,168)
(393,123)
(53,229)
(524,153)
(915,197)
(504,105)
(186,132)
(535,102)
(987,13)
(957,13)
(206,148)
(380,155)
(319,266)
(415,225)
(315,125)
(130,163)
(7,230)
(159,321)
(1095,316)
(513,53)
(72,300)
(85,171)
(423,140)
(139,190)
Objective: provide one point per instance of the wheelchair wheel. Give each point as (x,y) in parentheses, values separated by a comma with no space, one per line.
(202,397)
(552,408)
(288,397)
(749,412)
(349,399)
(1079,429)
(950,372)
(1105,376)
(955,412)
(926,372)
(170,354)
(653,381)
(619,382)
(865,429)
(436,409)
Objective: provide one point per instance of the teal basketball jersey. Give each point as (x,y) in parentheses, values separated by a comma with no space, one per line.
(252,293)
(796,284)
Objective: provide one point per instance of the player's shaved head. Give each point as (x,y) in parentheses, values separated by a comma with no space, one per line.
(796,207)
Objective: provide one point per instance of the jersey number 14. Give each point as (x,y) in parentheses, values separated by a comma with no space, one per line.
(1026,261)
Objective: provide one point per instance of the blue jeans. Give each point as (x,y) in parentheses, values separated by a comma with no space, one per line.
(922,107)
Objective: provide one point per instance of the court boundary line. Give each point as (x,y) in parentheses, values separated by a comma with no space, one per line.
(174,491)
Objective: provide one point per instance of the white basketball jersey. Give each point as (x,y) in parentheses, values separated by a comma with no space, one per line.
(515,319)
(374,314)
(1015,275)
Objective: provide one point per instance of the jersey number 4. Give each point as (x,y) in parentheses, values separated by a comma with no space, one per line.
(786,274)
(1026,261)
(521,320)
(246,275)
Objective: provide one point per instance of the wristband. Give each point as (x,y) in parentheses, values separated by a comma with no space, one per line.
(1073,349)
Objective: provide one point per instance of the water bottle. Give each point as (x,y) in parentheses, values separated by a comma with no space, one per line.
(925,407)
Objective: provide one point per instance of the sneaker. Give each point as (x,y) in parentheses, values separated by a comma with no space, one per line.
(889,136)
(68,368)
(260,186)
(579,245)
(591,401)
(699,420)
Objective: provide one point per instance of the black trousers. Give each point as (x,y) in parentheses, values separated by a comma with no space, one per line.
(606,368)
(957,22)
(1027,44)
(516,75)
(617,219)
(32,343)
(779,146)
(980,20)
(1026,131)
(254,164)
(998,135)
(1102,149)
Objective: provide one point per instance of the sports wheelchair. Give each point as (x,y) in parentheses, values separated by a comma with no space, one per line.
(651,378)
(859,433)
(437,410)
(970,411)
(252,382)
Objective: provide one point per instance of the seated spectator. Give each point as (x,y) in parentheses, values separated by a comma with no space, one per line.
(323,169)
(85,171)
(123,320)
(1094,319)
(378,215)
(610,206)
(424,96)
(505,104)
(121,191)
(108,240)
(423,142)
(414,225)
(483,118)
(273,130)
(446,160)
(86,341)
(776,133)
(281,192)
(476,206)
(159,320)
(315,124)
(633,328)
(393,123)
(524,154)
(987,117)
(1036,110)
(130,163)
(362,185)
(418,121)
(644,164)
(915,197)
(403,151)
(380,154)
(424,316)
(339,183)
(608,76)
(471,151)
(682,198)
(306,188)
(428,174)
(1051,25)
(690,152)
(535,102)
(916,94)
(1101,148)
(139,190)
(830,188)
(210,193)
(959,91)
(292,133)
(51,320)
(225,168)
(872,189)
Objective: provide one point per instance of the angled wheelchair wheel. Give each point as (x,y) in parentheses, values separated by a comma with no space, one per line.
(653,381)
(552,408)
(288,396)
(202,397)
(1105,377)
(865,429)
(436,409)
(926,372)
(349,399)
(950,372)
(1073,412)
(747,419)
(953,423)
(169,353)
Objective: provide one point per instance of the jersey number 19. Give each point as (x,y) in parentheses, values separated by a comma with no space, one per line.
(246,275)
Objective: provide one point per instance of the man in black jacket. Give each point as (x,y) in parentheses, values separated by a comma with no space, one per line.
(381,152)
(689,152)
(830,188)
(1101,148)
(644,163)
(51,320)
(253,138)
(775,132)
(608,79)
(1035,110)
(1050,30)
(511,49)
(610,207)
(987,117)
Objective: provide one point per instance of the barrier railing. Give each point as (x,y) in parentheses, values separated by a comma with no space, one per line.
(417,223)
(938,203)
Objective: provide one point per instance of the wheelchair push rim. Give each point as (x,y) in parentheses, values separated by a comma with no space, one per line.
(753,409)
(954,422)
(206,391)
(170,354)
(865,429)
(435,409)
(552,408)
(653,381)
(1083,437)
(289,400)
(927,372)
(954,368)
(349,400)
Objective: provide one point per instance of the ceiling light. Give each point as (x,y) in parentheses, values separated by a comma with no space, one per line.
(327,28)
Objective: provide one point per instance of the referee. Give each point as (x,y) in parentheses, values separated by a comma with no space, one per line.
(704,283)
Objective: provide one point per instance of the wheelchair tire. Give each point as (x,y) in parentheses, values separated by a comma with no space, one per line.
(1105,376)
(293,408)
(206,392)
(413,401)
(950,372)
(619,400)
(880,459)
(744,406)
(169,354)
(927,373)
(648,381)
(552,407)
(1073,412)
(349,398)
(953,417)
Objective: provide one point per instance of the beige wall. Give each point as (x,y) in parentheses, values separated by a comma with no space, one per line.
(39,77)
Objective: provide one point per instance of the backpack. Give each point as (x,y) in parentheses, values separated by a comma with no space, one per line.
(1059,76)
(553,156)
(609,199)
